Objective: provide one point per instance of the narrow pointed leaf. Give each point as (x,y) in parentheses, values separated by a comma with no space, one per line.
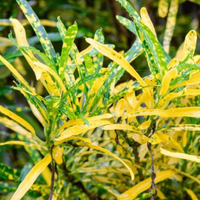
(171,22)
(67,44)
(191,194)
(146,20)
(180,155)
(17,119)
(163,8)
(172,112)
(31,177)
(116,57)
(189,45)
(144,185)
(167,79)
(107,152)
(38,28)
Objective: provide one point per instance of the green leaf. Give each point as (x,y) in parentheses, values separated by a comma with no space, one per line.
(129,9)
(7,187)
(70,35)
(39,29)
(9,173)
(154,47)
(171,22)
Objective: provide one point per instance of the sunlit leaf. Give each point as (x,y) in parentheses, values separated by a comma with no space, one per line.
(144,185)
(17,119)
(180,155)
(31,177)
(171,21)
(107,152)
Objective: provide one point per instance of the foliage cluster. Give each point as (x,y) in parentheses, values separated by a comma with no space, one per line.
(103,138)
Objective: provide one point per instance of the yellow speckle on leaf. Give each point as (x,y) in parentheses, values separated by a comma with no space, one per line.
(18,109)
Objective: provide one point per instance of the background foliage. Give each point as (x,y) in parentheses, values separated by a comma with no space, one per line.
(96,14)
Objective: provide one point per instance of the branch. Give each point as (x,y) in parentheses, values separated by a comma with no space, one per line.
(153,174)
(53,165)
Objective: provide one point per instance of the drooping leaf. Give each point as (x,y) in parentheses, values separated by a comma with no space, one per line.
(180,155)
(191,194)
(17,119)
(172,112)
(144,185)
(107,152)
(31,177)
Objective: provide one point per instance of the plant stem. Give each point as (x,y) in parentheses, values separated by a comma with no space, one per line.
(53,165)
(153,174)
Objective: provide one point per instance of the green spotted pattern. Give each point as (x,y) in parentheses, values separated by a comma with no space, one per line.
(155,48)
(67,45)
(9,173)
(129,9)
(171,22)
(7,187)
(115,98)
(39,29)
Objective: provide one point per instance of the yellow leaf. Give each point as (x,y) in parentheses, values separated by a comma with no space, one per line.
(120,107)
(95,87)
(174,62)
(146,20)
(133,192)
(72,138)
(171,96)
(189,45)
(191,194)
(57,154)
(160,194)
(21,38)
(181,127)
(121,127)
(31,177)
(16,74)
(80,121)
(116,57)
(47,176)
(180,155)
(37,113)
(145,125)
(50,71)
(39,73)
(158,138)
(17,119)
(141,139)
(77,129)
(184,140)
(17,143)
(197,59)
(130,97)
(107,152)
(163,8)
(167,79)
(172,112)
